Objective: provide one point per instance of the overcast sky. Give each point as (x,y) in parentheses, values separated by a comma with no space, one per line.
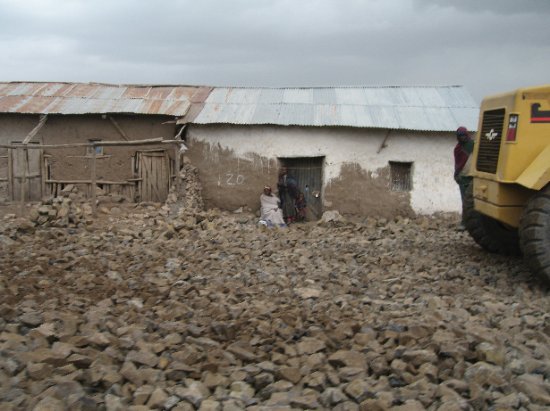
(488,46)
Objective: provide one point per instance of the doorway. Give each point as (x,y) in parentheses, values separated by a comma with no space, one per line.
(25,174)
(308,172)
(153,170)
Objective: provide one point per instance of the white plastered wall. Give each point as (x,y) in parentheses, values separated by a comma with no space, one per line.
(434,189)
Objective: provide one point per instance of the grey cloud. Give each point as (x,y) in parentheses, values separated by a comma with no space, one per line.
(493,6)
(277,43)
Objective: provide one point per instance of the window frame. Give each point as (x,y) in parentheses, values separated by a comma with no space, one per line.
(401,176)
(98,149)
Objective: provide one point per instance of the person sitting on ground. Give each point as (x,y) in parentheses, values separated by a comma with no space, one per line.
(271,214)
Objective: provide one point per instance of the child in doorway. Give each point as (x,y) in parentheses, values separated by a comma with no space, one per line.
(300,205)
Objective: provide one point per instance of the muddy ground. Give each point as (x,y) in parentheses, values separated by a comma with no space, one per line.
(142,309)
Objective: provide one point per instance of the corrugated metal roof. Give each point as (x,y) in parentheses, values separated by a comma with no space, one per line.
(80,98)
(442,108)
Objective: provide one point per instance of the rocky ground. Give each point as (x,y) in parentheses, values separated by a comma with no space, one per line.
(144,308)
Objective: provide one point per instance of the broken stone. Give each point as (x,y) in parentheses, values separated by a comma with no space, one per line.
(308,292)
(391,313)
(49,404)
(534,387)
(157,399)
(32,319)
(483,373)
(210,405)
(39,371)
(142,394)
(308,345)
(344,358)
(194,393)
(114,403)
(291,374)
(142,357)
(242,353)
(359,390)
(332,396)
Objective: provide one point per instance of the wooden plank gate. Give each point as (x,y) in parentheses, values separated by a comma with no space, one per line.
(153,170)
(25,174)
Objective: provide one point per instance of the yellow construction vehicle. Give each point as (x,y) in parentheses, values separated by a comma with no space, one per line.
(507,206)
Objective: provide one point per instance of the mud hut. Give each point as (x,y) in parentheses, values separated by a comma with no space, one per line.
(359,150)
(71,120)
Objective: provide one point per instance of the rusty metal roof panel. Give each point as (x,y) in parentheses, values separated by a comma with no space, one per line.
(5,89)
(135,93)
(78,106)
(159,93)
(425,108)
(7,103)
(35,104)
(128,105)
(53,90)
(80,98)
(83,90)
(200,94)
(25,89)
(108,93)
(182,93)
(173,107)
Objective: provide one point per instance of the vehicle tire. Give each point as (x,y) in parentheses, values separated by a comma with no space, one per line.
(490,234)
(534,232)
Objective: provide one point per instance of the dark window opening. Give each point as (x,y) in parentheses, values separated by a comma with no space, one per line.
(401,176)
(98,149)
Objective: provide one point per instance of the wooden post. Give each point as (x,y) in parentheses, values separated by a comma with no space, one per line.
(35,130)
(11,183)
(23,155)
(383,145)
(119,129)
(94,180)
(150,141)
(177,171)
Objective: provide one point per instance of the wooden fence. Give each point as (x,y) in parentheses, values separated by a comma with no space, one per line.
(92,181)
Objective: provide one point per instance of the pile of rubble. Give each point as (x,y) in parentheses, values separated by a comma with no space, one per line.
(72,192)
(61,212)
(72,209)
(188,197)
(209,311)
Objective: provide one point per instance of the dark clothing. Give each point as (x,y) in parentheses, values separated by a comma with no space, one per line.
(288,192)
(462,152)
(300,205)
